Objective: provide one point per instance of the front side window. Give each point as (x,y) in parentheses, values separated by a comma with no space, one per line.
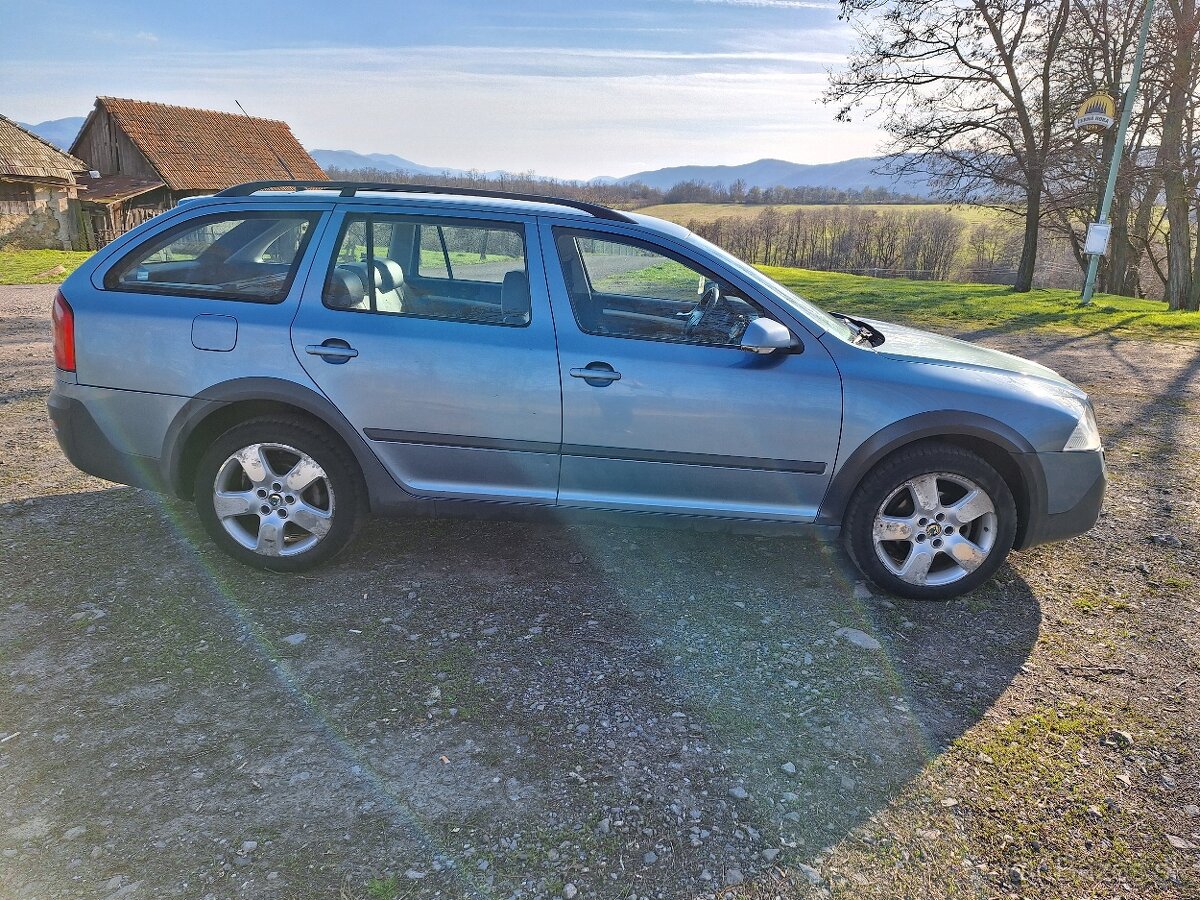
(231,256)
(626,288)
(460,269)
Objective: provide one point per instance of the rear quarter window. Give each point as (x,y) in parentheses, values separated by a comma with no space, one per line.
(247,255)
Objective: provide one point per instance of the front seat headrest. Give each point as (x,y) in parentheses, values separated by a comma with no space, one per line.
(388,275)
(514,298)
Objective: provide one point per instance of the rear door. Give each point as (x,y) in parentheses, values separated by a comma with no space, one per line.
(203,298)
(662,410)
(433,335)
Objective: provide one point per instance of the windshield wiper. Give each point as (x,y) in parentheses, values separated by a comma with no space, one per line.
(863,333)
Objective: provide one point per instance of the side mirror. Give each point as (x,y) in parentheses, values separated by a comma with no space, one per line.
(766,336)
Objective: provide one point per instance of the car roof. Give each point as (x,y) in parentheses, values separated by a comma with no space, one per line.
(454,198)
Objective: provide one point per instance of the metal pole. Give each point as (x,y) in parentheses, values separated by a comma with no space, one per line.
(1089,284)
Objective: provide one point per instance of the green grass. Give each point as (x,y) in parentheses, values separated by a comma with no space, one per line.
(667,280)
(27,266)
(710,212)
(950,306)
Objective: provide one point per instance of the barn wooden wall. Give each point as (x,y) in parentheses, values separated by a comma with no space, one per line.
(105,148)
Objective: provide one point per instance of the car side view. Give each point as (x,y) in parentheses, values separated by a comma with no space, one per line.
(294,356)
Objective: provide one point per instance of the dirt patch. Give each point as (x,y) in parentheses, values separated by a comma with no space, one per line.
(466,709)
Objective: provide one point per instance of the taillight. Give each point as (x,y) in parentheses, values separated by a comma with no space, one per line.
(64,333)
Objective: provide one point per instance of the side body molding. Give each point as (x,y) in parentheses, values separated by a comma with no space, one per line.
(944,425)
(382,489)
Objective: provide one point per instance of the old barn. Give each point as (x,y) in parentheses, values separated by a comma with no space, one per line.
(151,155)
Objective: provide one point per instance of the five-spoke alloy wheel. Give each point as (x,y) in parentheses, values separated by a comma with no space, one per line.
(273,499)
(931,522)
(278,494)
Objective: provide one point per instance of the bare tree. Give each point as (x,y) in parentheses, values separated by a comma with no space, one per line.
(968,93)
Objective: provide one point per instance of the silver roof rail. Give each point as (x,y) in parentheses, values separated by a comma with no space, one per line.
(350,188)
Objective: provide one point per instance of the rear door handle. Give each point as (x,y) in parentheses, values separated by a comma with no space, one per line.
(597,374)
(333,350)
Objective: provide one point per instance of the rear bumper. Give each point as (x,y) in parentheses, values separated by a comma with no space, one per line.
(88,448)
(1075,483)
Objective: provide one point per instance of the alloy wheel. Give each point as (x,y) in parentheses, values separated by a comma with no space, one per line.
(935,529)
(273,499)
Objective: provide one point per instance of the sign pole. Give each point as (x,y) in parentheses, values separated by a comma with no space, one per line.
(1089,283)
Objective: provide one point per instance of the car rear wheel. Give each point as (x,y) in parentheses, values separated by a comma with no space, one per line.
(931,522)
(278,494)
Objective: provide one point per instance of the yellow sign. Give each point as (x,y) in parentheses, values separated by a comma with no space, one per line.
(1096,114)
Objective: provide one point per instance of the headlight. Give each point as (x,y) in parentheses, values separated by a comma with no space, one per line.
(1086,435)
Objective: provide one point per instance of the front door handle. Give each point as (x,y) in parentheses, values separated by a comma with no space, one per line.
(333,350)
(597,374)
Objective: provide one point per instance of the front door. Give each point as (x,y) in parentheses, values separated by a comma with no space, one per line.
(662,411)
(433,335)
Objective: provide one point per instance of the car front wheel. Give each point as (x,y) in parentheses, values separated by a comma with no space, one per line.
(278,494)
(931,522)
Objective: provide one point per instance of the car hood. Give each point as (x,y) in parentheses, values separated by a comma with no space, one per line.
(912,344)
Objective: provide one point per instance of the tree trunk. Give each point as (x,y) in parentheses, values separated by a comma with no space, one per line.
(1179,238)
(1029,249)
(1194,300)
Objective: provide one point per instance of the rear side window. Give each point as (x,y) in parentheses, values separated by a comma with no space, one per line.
(464,270)
(231,256)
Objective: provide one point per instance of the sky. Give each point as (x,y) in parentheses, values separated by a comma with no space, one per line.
(561,87)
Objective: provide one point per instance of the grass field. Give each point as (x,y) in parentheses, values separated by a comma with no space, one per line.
(952,306)
(709,212)
(28,266)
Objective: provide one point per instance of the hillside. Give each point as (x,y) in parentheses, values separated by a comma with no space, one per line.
(683,213)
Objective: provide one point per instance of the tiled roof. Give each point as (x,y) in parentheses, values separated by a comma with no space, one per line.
(27,155)
(202,150)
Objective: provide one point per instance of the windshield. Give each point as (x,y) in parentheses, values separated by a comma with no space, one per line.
(839,327)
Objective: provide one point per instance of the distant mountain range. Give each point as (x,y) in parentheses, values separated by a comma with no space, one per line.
(59,132)
(384,162)
(850,174)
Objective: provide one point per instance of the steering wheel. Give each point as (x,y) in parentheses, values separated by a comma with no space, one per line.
(708,302)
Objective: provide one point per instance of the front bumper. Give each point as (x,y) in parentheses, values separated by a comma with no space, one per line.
(1074,493)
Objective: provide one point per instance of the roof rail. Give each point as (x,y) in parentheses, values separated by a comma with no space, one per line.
(350,188)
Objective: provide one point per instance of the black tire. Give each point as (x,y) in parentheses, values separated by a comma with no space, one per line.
(339,493)
(996,529)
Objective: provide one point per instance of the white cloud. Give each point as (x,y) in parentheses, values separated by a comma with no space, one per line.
(566,111)
(772,4)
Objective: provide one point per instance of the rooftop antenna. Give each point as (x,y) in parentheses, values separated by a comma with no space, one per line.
(278,158)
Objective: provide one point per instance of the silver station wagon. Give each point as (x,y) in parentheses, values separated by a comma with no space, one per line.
(296,355)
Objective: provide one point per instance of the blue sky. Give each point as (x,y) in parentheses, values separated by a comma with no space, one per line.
(564,88)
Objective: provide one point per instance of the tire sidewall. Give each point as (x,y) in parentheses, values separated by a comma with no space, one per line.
(894,471)
(341,472)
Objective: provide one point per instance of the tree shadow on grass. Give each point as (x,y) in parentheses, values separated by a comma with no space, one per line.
(496,706)
(1042,320)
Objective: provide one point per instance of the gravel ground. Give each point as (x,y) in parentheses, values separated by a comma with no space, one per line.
(460,709)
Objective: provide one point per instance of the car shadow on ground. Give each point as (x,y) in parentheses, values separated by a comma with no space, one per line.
(490,706)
